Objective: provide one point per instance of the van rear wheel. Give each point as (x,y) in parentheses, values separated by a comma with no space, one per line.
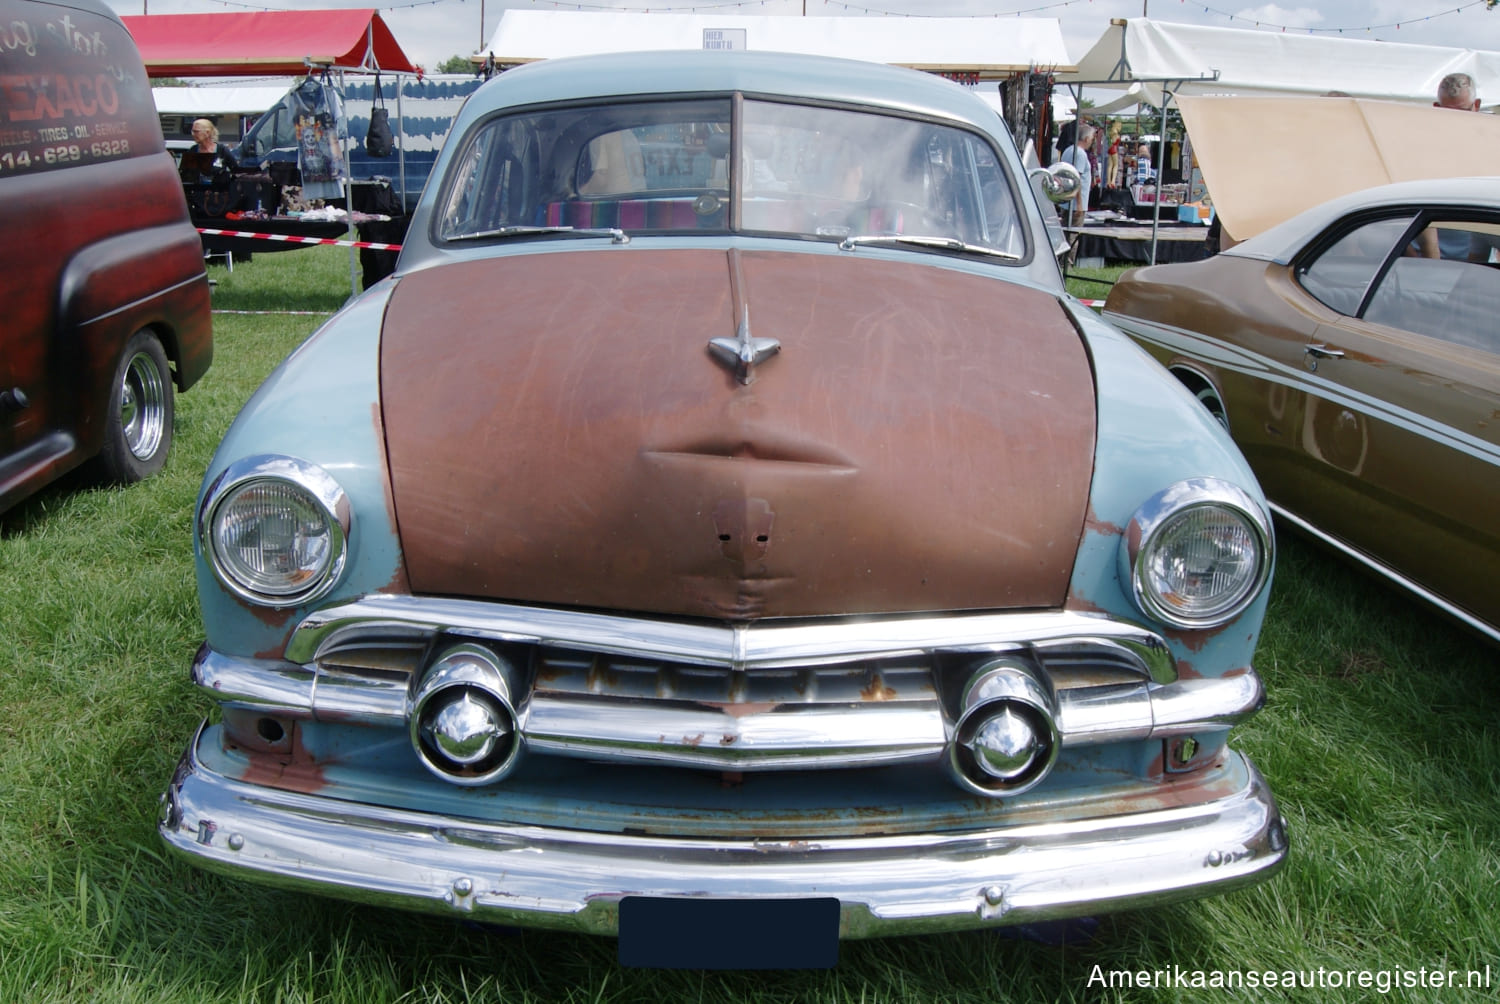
(138,422)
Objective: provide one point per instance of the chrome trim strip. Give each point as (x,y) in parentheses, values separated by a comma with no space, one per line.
(1490,631)
(1229,356)
(269,684)
(571,879)
(1189,706)
(786,739)
(762,645)
(735,737)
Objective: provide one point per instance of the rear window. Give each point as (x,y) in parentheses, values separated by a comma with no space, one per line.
(72,91)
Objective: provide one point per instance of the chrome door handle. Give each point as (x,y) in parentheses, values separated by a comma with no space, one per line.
(1320,351)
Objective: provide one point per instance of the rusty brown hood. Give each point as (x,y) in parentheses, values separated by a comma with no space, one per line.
(560,432)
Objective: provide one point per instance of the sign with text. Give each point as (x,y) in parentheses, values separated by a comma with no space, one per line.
(72,90)
(724,38)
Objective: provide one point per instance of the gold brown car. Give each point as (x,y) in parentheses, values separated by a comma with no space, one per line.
(1353,351)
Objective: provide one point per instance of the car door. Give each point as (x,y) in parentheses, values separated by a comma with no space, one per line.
(1402,420)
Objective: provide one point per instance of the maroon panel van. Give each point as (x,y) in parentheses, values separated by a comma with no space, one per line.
(106,303)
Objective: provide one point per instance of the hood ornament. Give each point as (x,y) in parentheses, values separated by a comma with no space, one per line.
(743,352)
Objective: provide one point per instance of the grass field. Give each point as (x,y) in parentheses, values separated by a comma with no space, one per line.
(1380,738)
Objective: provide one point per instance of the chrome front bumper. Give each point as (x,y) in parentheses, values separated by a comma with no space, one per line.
(541,876)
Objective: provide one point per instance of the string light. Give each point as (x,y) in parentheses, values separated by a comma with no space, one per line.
(1488,4)
(1038,8)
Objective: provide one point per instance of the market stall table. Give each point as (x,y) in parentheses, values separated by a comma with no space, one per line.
(1122,241)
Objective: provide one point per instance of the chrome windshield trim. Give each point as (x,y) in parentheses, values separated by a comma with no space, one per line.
(762,645)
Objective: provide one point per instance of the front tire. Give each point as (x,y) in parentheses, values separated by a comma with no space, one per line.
(138,422)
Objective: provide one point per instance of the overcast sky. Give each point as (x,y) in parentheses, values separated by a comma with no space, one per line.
(432,30)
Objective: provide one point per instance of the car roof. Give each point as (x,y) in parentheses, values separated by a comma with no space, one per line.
(1282,242)
(795,75)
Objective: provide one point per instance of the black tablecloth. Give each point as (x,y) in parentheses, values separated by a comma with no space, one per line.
(1134,243)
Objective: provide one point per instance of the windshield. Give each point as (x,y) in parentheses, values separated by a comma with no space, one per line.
(678,166)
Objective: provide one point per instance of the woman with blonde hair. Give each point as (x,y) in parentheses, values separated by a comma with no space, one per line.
(210,161)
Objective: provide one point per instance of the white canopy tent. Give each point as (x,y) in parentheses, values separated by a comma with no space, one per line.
(990,48)
(234,100)
(1267,159)
(1196,59)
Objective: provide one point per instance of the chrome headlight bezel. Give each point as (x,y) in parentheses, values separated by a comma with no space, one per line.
(316,486)
(1162,512)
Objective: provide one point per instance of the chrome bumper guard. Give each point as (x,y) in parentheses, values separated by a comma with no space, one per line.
(573,880)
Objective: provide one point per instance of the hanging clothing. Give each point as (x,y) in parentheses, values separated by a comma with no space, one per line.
(318,111)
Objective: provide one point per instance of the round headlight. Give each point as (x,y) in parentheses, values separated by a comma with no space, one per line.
(1198,553)
(274,530)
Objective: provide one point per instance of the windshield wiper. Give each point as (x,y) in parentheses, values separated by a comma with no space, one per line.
(615,234)
(943,243)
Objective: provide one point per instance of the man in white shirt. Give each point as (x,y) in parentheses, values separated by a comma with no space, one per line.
(1078,156)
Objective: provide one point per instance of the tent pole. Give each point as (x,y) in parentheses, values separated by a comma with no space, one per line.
(401,147)
(1167,90)
(352,234)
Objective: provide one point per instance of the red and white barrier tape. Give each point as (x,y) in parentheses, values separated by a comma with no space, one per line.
(1092,303)
(289,239)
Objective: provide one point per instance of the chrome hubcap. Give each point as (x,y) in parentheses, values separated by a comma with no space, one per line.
(143,406)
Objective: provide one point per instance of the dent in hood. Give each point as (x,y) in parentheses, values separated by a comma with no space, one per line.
(560,431)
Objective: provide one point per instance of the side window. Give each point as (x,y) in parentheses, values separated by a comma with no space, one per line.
(1339,277)
(1000,223)
(1446,285)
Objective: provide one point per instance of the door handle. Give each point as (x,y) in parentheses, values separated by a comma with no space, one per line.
(1320,351)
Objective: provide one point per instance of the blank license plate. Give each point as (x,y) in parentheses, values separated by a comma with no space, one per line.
(684,933)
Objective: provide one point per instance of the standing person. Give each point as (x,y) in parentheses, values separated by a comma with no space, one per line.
(1096,171)
(1078,155)
(1458,91)
(210,162)
(1112,178)
(1143,172)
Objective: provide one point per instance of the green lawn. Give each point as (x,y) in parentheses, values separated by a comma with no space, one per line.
(1380,738)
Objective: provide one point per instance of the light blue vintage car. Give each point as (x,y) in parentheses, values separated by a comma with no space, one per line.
(723,520)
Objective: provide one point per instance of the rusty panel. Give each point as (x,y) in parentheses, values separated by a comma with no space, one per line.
(558,432)
(129,218)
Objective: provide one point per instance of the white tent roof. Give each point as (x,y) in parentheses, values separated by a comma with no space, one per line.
(198,101)
(1265,63)
(973,45)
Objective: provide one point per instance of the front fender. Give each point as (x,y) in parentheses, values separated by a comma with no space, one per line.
(321,405)
(1147,440)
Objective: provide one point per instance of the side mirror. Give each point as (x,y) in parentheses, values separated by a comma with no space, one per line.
(1058,183)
